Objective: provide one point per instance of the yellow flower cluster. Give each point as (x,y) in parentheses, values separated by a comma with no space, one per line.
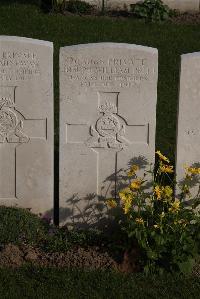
(168,191)
(139,220)
(192,170)
(111,203)
(126,196)
(127,206)
(166,168)
(136,184)
(186,190)
(158,192)
(162,157)
(133,170)
(175,206)
(163,192)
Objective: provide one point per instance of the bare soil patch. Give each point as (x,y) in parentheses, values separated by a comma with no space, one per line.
(91,257)
(186,18)
(88,258)
(13,256)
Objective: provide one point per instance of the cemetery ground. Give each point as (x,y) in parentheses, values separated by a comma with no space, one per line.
(38,260)
(25,236)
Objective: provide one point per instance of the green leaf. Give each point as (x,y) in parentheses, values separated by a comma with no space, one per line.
(187,266)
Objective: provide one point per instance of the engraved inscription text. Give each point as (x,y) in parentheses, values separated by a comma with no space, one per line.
(18,65)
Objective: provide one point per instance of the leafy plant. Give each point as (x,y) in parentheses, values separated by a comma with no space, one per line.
(61,240)
(151,10)
(166,229)
(79,7)
(59,5)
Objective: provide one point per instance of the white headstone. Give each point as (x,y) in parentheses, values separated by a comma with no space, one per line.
(108,98)
(188,130)
(26,123)
(182,5)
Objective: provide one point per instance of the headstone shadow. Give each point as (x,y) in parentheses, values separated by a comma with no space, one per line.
(91,211)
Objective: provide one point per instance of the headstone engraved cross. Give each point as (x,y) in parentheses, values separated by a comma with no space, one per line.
(26,124)
(108,98)
(12,135)
(108,137)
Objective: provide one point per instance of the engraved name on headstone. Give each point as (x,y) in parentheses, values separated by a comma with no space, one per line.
(108,98)
(26,123)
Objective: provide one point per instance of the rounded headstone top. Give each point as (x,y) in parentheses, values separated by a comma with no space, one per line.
(113,45)
(5,38)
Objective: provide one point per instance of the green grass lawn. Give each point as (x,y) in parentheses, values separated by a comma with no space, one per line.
(75,284)
(170,39)
(34,282)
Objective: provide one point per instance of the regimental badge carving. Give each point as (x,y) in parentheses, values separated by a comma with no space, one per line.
(109,130)
(11,122)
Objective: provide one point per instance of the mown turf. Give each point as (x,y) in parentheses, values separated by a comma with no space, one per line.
(75,284)
(170,39)
(19,225)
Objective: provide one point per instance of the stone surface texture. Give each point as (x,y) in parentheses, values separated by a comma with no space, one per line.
(26,123)
(182,5)
(188,130)
(108,96)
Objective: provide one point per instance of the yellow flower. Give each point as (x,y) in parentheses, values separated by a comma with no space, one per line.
(175,206)
(186,189)
(163,192)
(168,191)
(139,220)
(111,203)
(158,192)
(192,170)
(166,168)
(162,157)
(127,205)
(136,184)
(133,170)
(126,194)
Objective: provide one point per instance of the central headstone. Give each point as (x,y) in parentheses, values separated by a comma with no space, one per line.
(108,98)
(26,124)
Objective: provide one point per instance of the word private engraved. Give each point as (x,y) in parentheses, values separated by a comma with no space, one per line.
(11,120)
(113,72)
(109,130)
